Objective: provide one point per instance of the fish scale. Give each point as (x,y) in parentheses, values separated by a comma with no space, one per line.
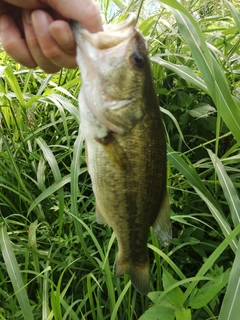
(125,143)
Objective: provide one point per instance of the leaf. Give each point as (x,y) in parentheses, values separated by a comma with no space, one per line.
(14,273)
(175,296)
(158,312)
(231,301)
(209,291)
(183,314)
(202,111)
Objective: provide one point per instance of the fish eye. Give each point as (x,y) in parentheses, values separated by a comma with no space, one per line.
(138,59)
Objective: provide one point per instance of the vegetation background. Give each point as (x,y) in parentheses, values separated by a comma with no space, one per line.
(56,262)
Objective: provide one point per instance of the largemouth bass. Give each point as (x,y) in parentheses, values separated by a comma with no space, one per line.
(125,144)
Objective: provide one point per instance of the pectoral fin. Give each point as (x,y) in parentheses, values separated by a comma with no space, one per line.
(114,150)
(99,217)
(162,225)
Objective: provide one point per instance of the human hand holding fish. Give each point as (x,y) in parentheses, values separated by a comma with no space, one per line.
(37,33)
(125,143)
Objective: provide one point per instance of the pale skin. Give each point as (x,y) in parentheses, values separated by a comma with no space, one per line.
(37,32)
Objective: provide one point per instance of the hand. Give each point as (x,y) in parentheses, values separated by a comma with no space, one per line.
(37,33)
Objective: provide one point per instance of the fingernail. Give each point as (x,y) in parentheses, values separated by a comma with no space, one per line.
(40,23)
(27,16)
(4,23)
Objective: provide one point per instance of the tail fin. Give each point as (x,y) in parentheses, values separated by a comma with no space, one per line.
(139,274)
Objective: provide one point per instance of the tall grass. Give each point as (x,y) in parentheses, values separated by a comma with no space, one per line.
(57,263)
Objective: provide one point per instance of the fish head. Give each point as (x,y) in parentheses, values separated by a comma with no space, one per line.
(115,67)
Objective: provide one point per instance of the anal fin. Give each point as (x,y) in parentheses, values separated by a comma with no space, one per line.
(99,217)
(162,225)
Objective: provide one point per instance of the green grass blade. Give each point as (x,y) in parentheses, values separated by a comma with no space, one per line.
(13,83)
(211,71)
(235,13)
(45,292)
(227,187)
(14,273)
(211,260)
(219,217)
(119,301)
(49,191)
(231,301)
(44,84)
(57,176)
(198,39)
(213,76)
(227,105)
(168,260)
(183,71)
(63,102)
(197,44)
(75,171)
(189,173)
(50,158)
(195,181)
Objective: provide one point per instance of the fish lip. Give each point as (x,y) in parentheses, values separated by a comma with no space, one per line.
(111,36)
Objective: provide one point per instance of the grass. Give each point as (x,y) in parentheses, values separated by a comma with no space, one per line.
(57,262)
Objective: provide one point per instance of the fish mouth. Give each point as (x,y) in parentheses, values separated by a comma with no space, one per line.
(111,36)
(98,54)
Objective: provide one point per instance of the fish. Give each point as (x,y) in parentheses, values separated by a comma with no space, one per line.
(124,142)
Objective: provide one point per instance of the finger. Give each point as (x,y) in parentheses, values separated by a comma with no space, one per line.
(13,43)
(62,34)
(32,40)
(49,47)
(86,12)
(27,4)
